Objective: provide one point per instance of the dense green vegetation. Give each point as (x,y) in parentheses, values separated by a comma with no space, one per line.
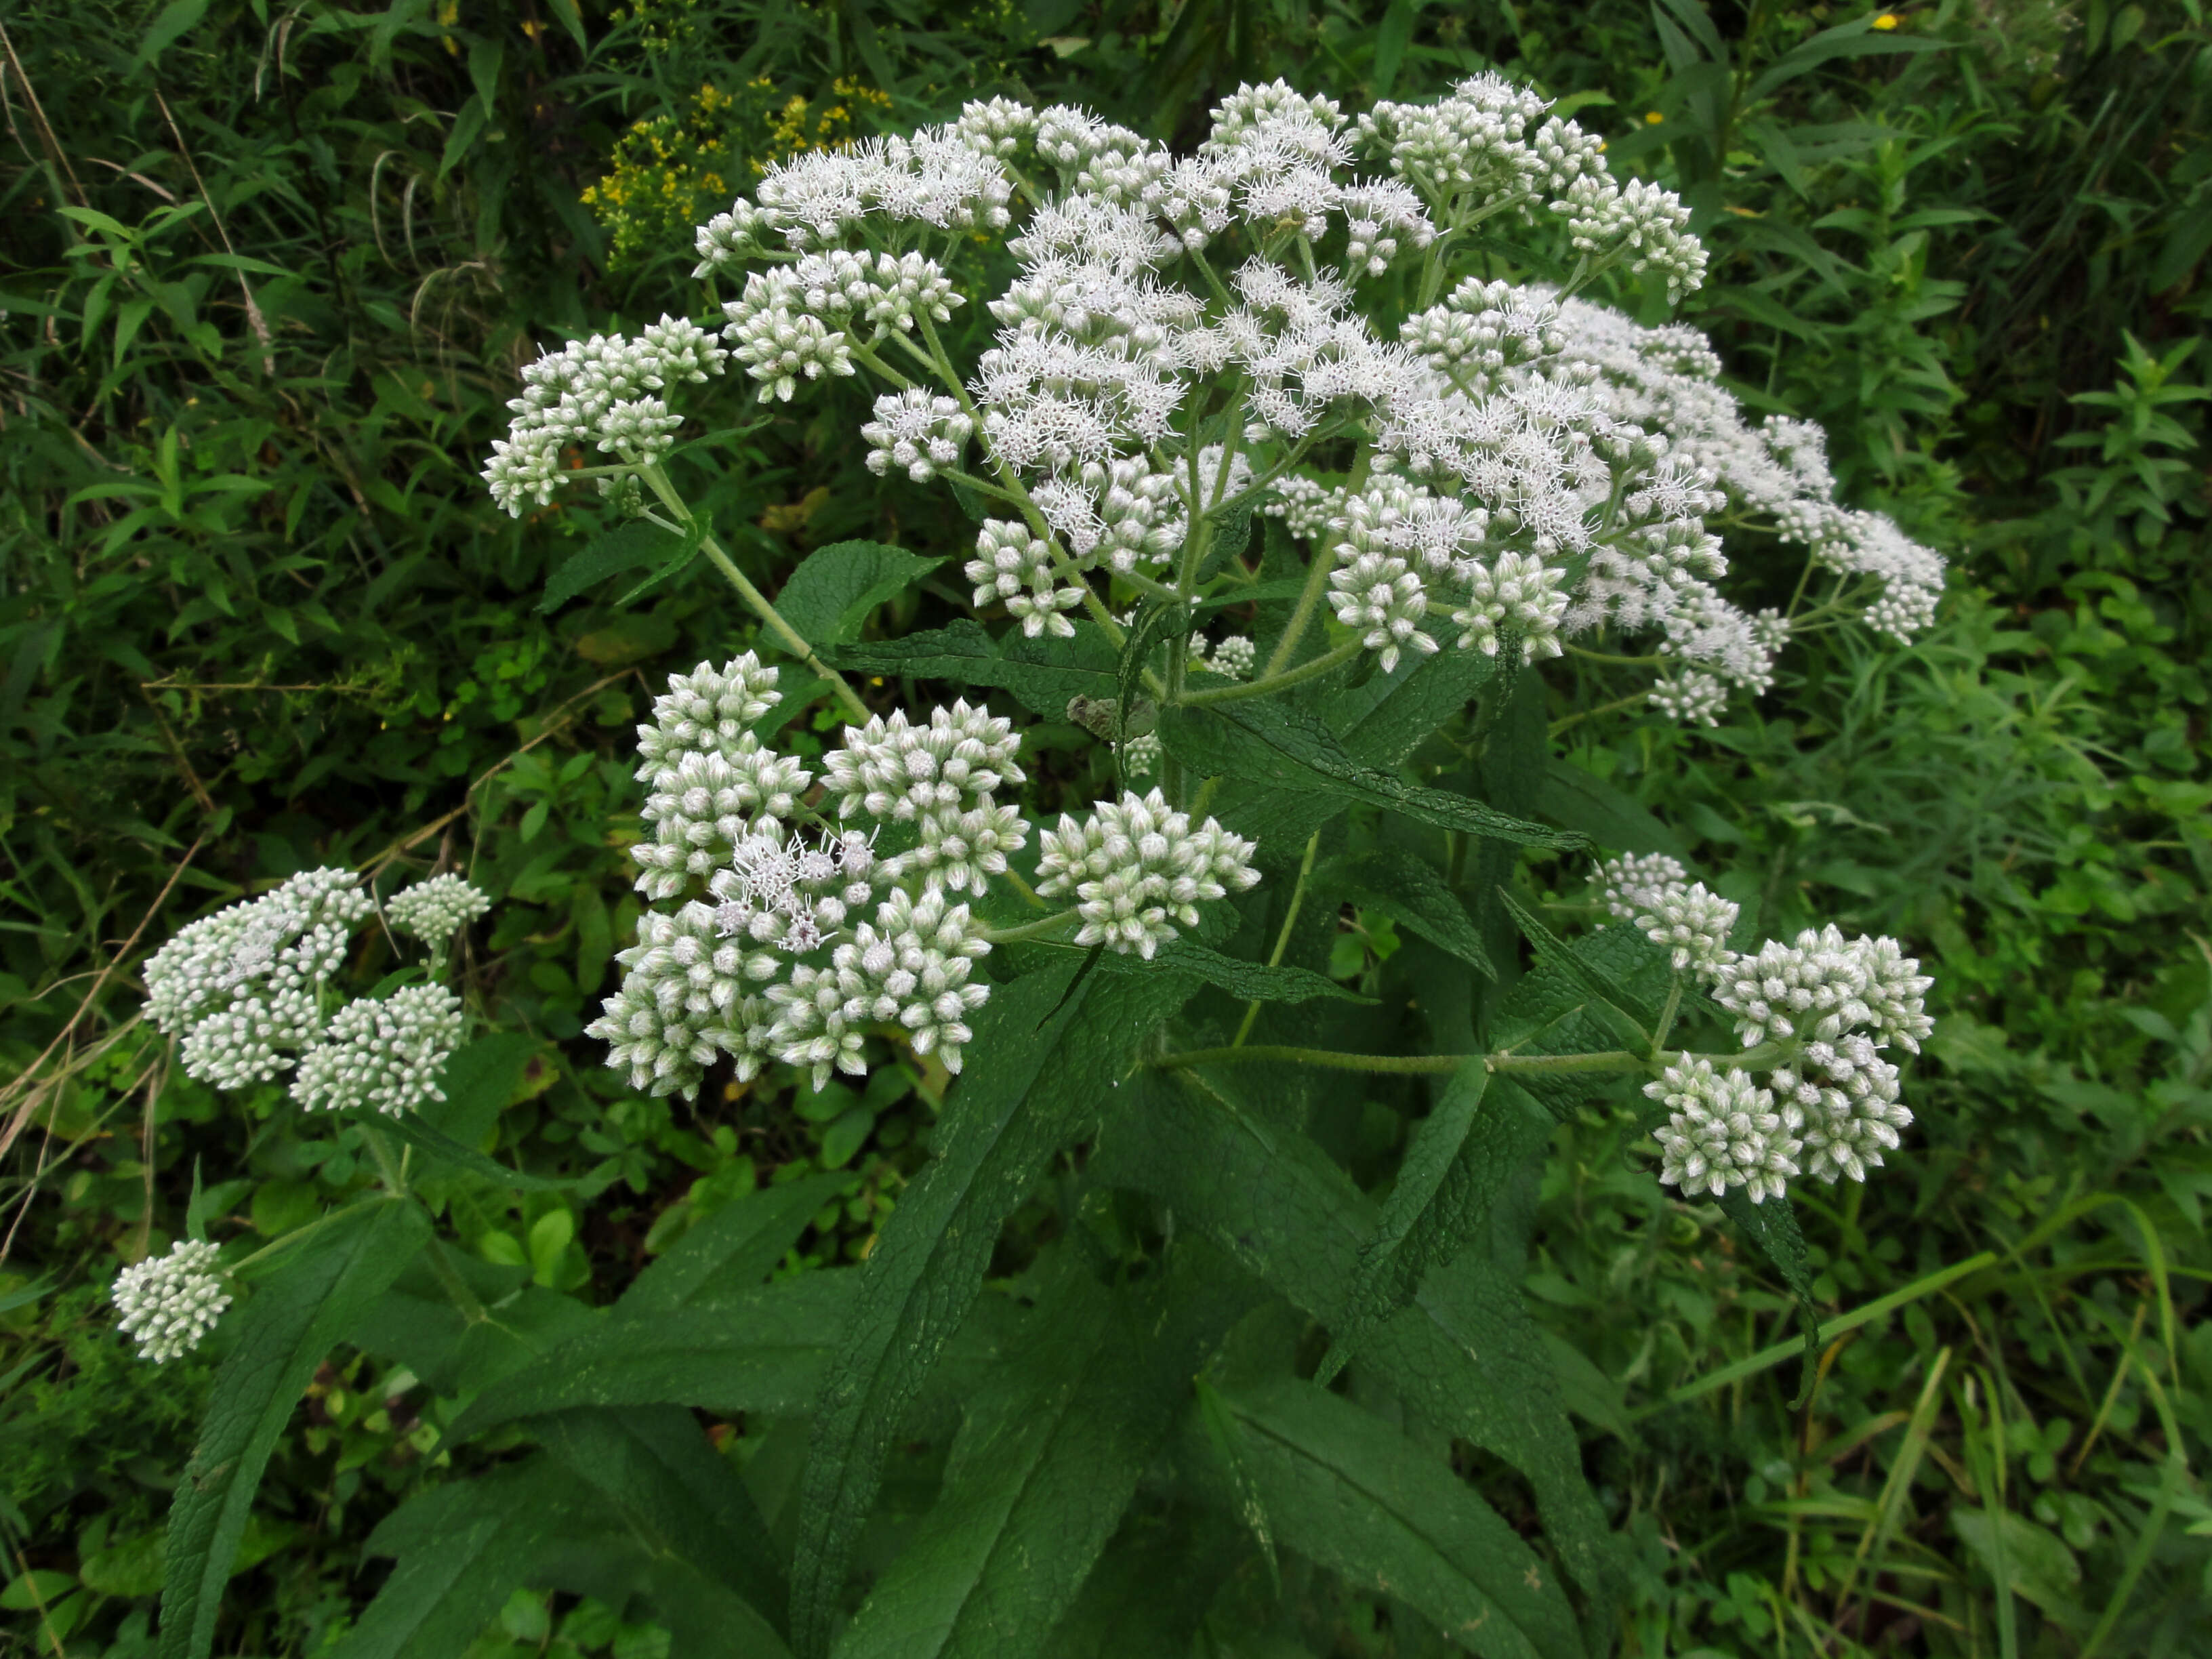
(268,277)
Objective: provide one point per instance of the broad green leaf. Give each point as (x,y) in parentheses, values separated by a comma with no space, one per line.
(761,1351)
(479,1080)
(732,1249)
(289,1323)
(1410,891)
(1551,1010)
(1773,1225)
(1465,1353)
(1477,1138)
(1150,1588)
(176,19)
(1572,796)
(463,1549)
(1396,714)
(1348,1491)
(633,544)
(1048,1460)
(1276,744)
(1045,674)
(1048,1054)
(827,597)
(1255,982)
(652,1469)
(1851,40)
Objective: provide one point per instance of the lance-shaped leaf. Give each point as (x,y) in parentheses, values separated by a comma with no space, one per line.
(1048,1055)
(1255,982)
(1409,890)
(1571,796)
(1045,674)
(1464,1354)
(462,1549)
(1773,1225)
(447,1151)
(287,1326)
(1048,1460)
(732,1249)
(689,1511)
(1163,622)
(1344,1488)
(630,546)
(1271,743)
(1392,715)
(1604,988)
(828,596)
(1461,1156)
(1552,1011)
(755,1350)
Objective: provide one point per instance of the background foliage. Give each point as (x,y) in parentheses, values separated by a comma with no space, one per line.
(268,274)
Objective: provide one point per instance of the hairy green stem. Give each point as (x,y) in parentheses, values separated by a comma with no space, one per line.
(1283,933)
(1037,929)
(792,639)
(1273,683)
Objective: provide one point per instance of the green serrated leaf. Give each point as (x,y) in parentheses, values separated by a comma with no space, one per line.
(1572,796)
(634,543)
(290,1322)
(1412,892)
(1465,1353)
(1392,714)
(463,1549)
(479,1079)
(1161,621)
(762,1350)
(1461,1156)
(420,1136)
(1048,1055)
(1273,743)
(828,596)
(732,1249)
(1045,673)
(1346,1490)
(1049,1458)
(1552,1011)
(1254,981)
(1593,980)
(689,1511)
(1773,1225)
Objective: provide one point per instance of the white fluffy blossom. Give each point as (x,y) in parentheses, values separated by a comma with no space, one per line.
(169,1303)
(433,910)
(1694,924)
(1013,567)
(1823,986)
(909,968)
(382,1053)
(916,433)
(1136,868)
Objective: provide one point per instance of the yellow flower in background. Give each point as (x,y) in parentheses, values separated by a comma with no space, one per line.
(1888,20)
(1652,118)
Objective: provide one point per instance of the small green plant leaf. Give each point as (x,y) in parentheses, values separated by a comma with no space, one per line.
(1162,622)
(1346,1490)
(1048,1055)
(1571,796)
(416,1133)
(293,1319)
(1254,981)
(479,1080)
(1412,892)
(762,1350)
(1590,976)
(1286,747)
(827,598)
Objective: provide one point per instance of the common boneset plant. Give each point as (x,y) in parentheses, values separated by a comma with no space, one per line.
(1291,462)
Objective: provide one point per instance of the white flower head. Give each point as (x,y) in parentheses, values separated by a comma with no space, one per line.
(168,1304)
(433,910)
(387,1053)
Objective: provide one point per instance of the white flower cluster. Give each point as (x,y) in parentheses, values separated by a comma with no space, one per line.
(169,1303)
(385,1054)
(1136,868)
(802,937)
(1837,1001)
(240,988)
(606,394)
(435,909)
